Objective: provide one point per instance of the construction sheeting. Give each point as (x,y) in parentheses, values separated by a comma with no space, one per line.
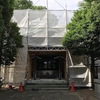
(22,54)
(21,63)
(7,73)
(42,27)
(39,28)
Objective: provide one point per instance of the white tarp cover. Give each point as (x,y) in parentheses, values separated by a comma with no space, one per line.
(80,75)
(39,28)
(21,63)
(43,27)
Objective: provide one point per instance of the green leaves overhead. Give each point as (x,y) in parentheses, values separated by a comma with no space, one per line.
(10,39)
(83,35)
(26,4)
(23,4)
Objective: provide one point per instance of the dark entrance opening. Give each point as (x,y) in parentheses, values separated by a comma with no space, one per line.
(47,65)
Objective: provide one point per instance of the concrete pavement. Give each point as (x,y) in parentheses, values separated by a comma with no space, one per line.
(36,95)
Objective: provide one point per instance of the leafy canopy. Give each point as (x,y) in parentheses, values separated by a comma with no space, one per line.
(83,32)
(10,38)
(26,4)
(83,35)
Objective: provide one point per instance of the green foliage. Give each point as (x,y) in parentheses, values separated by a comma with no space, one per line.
(1,21)
(38,7)
(26,4)
(23,4)
(7,10)
(83,35)
(10,38)
(90,1)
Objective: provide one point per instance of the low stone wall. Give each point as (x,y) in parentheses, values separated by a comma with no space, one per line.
(97,84)
(97,87)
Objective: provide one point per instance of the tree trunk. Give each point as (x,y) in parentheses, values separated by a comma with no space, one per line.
(92,70)
(5,74)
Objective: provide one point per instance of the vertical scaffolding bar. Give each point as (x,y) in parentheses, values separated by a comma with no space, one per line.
(47,4)
(47,27)
(27,44)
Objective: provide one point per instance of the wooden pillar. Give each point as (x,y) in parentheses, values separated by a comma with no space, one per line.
(66,67)
(29,67)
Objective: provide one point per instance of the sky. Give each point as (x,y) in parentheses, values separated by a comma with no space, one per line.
(58,4)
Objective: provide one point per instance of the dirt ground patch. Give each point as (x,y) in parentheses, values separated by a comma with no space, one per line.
(87,94)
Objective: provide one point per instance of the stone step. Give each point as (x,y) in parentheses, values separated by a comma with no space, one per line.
(50,89)
(43,89)
(46,81)
(47,85)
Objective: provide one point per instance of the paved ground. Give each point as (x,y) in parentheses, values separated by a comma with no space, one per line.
(79,94)
(35,95)
(86,94)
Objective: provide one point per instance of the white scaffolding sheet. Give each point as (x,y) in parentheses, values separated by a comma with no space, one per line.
(39,28)
(42,27)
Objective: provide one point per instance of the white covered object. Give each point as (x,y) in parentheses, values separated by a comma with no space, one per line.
(80,75)
(42,27)
(39,28)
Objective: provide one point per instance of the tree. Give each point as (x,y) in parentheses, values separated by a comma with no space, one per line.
(1,21)
(83,35)
(26,4)
(10,39)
